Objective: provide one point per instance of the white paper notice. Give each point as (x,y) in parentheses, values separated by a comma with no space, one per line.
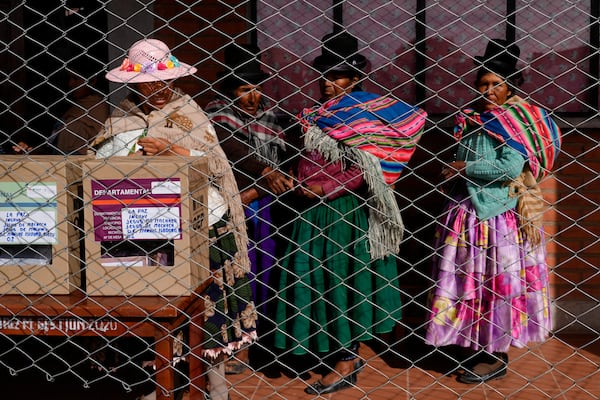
(166,187)
(31,227)
(151,223)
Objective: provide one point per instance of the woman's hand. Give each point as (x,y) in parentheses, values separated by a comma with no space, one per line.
(248,196)
(454,168)
(313,191)
(22,148)
(277,182)
(152,146)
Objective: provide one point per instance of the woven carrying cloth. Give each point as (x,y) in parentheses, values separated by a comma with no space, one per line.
(387,128)
(524,127)
(380,134)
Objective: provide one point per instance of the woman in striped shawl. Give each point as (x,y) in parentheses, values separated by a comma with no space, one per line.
(253,140)
(490,265)
(339,283)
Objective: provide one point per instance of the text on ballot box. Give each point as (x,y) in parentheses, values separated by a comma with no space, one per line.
(146,231)
(136,209)
(40,236)
(28,214)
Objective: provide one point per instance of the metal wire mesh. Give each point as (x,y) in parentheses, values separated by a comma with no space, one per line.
(138,327)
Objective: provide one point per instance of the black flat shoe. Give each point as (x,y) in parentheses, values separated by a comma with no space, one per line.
(496,370)
(473,360)
(318,388)
(347,381)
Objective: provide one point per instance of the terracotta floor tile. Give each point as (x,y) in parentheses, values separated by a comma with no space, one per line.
(556,369)
(563,368)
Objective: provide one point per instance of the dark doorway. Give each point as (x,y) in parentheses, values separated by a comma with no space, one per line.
(49,33)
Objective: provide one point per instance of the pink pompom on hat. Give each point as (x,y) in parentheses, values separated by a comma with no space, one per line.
(149,60)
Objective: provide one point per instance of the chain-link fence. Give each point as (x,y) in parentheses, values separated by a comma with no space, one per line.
(129,274)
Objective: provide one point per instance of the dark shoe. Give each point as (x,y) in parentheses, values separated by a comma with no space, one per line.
(469,363)
(270,371)
(484,372)
(358,366)
(347,381)
(318,388)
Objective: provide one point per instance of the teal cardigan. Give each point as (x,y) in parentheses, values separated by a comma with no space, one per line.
(490,166)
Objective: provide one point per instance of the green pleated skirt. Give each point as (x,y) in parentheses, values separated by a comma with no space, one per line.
(331,293)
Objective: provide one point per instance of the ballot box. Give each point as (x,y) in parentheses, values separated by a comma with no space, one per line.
(145,225)
(40,224)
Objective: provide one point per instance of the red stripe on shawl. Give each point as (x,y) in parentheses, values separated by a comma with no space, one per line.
(393,142)
(398,155)
(525,125)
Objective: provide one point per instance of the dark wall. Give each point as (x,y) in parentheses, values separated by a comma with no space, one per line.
(51,38)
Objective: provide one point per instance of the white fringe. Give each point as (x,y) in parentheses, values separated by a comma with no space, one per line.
(386,228)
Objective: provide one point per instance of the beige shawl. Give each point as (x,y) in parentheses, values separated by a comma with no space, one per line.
(530,205)
(183,122)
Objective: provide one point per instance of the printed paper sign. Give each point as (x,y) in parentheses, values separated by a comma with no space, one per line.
(136,209)
(28,213)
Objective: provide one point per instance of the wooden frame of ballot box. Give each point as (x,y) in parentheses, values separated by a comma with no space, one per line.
(134,201)
(40,214)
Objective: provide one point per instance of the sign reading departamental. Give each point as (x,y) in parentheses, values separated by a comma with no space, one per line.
(136,209)
(28,213)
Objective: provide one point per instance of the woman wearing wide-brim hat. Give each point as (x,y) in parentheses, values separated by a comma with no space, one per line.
(339,282)
(339,59)
(158,119)
(489,268)
(250,135)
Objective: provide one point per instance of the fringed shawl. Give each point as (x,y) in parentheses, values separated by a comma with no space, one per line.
(526,128)
(262,131)
(183,122)
(387,128)
(380,135)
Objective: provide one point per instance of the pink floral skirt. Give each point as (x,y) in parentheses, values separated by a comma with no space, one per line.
(491,285)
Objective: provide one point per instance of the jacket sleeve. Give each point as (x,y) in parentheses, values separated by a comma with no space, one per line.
(246,168)
(81,128)
(505,165)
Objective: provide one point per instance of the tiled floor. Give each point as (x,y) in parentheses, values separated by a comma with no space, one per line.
(566,368)
(563,368)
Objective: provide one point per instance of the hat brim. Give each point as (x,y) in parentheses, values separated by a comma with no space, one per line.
(254,77)
(352,64)
(499,67)
(117,75)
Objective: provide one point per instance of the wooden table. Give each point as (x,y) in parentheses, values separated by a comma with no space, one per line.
(145,316)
